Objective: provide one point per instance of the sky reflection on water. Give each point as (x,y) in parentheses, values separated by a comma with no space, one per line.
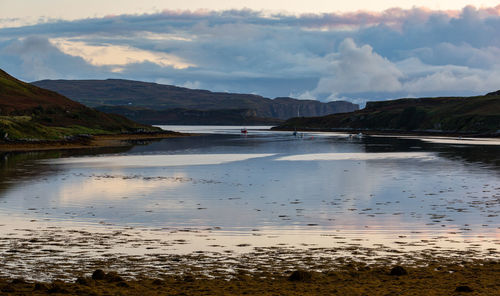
(266,180)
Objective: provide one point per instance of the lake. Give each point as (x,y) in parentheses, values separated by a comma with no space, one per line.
(223,191)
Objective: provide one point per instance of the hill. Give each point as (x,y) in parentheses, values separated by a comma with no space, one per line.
(479,114)
(29,112)
(187,116)
(159,97)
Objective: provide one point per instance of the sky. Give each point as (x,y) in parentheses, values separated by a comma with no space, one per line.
(323,50)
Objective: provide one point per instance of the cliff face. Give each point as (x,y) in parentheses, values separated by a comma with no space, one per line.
(284,108)
(162,97)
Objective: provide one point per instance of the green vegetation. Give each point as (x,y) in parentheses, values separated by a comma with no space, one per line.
(30,113)
(23,128)
(479,114)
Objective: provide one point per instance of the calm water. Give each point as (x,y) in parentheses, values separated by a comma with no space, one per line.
(306,187)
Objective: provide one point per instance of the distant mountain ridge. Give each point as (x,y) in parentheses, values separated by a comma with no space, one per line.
(180,116)
(478,115)
(159,97)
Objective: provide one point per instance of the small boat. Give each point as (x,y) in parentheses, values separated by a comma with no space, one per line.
(244,131)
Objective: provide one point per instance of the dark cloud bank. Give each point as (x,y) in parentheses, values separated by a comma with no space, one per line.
(355,56)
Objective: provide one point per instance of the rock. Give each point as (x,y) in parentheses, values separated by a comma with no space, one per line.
(99,274)
(41,287)
(82,281)
(398,270)
(300,276)
(158,282)
(8,289)
(122,284)
(464,289)
(113,277)
(56,288)
(18,281)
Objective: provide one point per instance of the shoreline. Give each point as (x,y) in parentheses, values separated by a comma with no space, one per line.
(43,262)
(86,142)
(393,132)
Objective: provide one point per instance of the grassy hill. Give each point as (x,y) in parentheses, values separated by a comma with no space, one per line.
(159,97)
(479,114)
(28,112)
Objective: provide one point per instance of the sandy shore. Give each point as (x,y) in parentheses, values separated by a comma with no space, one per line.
(57,261)
(95,141)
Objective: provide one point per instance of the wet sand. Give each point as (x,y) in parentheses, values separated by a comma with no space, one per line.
(95,141)
(53,260)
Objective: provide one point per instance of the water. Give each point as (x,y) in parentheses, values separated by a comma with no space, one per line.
(264,189)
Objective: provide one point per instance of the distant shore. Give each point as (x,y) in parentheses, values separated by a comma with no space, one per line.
(393,132)
(88,141)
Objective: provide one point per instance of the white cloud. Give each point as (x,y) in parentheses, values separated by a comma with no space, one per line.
(359,69)
(447,79)
(117,55)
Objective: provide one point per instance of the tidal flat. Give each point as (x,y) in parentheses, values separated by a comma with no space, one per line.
(225,213)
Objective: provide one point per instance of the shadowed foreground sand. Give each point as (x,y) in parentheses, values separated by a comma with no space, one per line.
(479,277)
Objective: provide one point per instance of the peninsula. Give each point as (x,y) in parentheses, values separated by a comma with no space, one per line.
(33,118)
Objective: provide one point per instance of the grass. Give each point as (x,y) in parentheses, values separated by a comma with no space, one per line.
(23,128)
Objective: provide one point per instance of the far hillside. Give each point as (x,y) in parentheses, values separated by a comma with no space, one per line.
(154,103)
(468,115)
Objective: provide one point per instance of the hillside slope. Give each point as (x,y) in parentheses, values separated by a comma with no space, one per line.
(479,114)
(30,112)
(115,92)
(180,116)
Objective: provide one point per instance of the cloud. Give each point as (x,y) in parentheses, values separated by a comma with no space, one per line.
(117,55)
(456,80)
(358,69)
(35,57)
(356,56)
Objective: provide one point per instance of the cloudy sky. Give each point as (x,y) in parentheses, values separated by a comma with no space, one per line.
(325,50)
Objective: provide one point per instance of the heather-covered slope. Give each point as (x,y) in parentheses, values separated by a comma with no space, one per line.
(479,114)
(30,112)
